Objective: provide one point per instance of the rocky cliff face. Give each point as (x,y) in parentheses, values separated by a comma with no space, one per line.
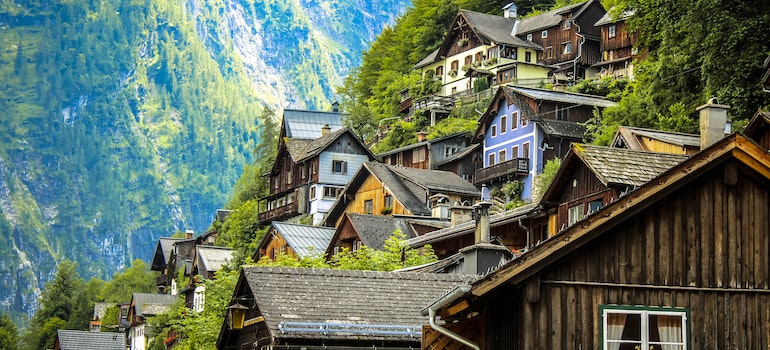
(127,120)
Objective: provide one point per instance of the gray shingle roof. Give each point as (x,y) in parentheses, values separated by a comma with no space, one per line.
(148,304)
(611,17)
(497,29)
(305,240)
(82,340)
(163,252)
(559,96)
(307,124)
(409,196)
(361,298)
(296,147)
(546,19)
(459,154)
(211,258)
(418,144)
(427,60)
(437,180)
(625,167)
(375,229)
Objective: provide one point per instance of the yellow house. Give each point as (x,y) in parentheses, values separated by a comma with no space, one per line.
(656,141)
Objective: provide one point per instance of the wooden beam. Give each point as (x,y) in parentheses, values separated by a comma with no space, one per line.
(456,308)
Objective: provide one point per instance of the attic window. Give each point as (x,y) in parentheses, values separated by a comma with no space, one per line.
(339,167)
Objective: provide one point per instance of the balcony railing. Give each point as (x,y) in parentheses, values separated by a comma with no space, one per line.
(433,101)
(287,210)
(516,167)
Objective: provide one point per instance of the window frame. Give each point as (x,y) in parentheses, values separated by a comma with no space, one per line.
(525,150)
(493,130)
(503,124)
(515,152)
(544,34)
(491,159)
(644,310)
(566,48)
(514,120)
(343,165)
(337,191)
(567,24)
(529,37)
(612,31)
(502,155)
(368,206)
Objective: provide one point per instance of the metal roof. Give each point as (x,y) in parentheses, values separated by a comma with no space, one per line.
(559,96)
(83,340)
(670,137)
(307,124)
(612,17)
(211,258)
(305,240)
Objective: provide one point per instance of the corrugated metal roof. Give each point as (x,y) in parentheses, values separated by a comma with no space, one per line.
(674,138)
(212,258)
(305,240)
(83,340)
(559,96)
(307,124)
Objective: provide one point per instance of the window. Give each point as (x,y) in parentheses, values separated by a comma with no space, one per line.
(544,34)
(312,192)
(356,245)
(503,124)
(494,130)
(635,327)
(339,167)
(566,48)
(491,160)
(501,156)
(514,120)
(529,37)
(575,214)
(418,155)
(450,150)
(525,150)
(290,176)
(524,121)
(594,206)
(388,201)
(562,113)
(468,60)
(611,31)
(549,52)
(332,192)
(368,206)
(528,56)
(303,169)
(400,159)
(439,71)
(314,167)
(478,57)
(515,151)
(454,90)
(567,24)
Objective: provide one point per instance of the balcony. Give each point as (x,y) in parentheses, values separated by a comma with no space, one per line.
(278,213)
(434,102)
(514,168)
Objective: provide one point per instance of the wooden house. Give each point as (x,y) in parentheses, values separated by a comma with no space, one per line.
(656,141)
(299,308)
(679,263)
(208,260)
(382,189)
(591,177)
(424,154)
(523,128)
(293,240)
(144,305)
(758,129)
(82,340)
(464,162)
(617,45)
(356,230)
(569,39)
(161,263)
(308,174)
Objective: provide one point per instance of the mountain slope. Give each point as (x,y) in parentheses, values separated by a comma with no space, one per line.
(127,120)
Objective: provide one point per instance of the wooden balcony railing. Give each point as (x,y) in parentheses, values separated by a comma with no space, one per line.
(433,101)
(287,210)
(516,167)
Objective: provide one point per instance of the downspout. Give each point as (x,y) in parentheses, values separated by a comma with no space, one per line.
(452,296)
(580,51)
(529,244)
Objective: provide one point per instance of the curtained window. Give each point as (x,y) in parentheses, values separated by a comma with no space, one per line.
(643,328)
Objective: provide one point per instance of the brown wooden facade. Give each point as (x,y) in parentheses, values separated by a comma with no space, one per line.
(694,240)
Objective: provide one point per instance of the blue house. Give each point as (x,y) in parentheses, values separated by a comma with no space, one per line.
(522,128)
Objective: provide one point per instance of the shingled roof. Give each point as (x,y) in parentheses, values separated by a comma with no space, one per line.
(83,340)
(337,301)
(147,304)
(561,128)
(550,18)
(617,166)
(496,29)
(374,230)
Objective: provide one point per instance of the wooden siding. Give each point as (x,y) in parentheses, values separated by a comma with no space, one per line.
(274,242)
(623,39)
(580,114)
(433,340)
(705,248)
(372,189)
(653,145)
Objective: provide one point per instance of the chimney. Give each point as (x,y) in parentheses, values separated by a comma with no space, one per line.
(189,234)
(422,136)
(460,214)
(325,130)
(510,11)
(713,122)
(483,256)
(336,107)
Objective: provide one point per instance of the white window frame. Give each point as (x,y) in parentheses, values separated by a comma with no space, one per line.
(575,213)
(645,312)
(611,31)
(525,149)
(544,34)
(502,155)
(493,130)
(529,37)
(514,120)
(567,48)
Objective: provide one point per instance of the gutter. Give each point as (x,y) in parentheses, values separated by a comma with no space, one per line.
(449,298)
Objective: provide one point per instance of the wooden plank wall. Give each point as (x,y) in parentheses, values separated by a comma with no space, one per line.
(705,247)
(373,189)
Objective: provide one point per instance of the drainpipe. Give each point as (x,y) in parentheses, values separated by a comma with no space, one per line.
(580,51)
(529,244)
(454,295)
